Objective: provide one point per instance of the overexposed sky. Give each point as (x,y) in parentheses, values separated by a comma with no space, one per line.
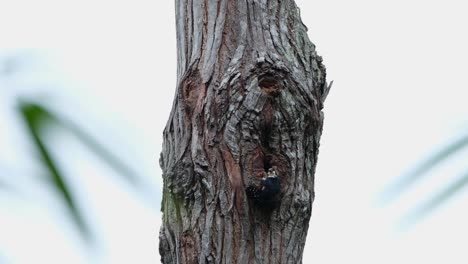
(399,93)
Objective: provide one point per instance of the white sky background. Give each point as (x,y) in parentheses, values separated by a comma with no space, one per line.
(400,92)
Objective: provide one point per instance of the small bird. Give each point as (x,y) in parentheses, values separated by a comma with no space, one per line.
(266,194)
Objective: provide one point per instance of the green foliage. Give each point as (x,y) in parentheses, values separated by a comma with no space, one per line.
(101,152)
(448,192)
(38,120)
(421,170)
(418,174)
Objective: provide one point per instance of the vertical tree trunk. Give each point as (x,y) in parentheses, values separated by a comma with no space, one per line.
(249,97)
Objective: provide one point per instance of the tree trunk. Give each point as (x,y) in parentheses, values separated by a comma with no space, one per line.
(249,97)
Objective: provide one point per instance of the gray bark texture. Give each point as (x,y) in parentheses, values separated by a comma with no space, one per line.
(249,96)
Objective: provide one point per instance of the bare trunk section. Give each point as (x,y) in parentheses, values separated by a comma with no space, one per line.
(250,92)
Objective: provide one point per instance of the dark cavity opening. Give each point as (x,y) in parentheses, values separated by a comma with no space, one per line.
(269,84)
(267,162)
(267,81)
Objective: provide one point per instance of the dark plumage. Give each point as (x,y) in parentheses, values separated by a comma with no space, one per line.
(266,194)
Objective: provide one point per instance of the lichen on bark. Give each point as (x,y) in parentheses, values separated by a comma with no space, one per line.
(250,95)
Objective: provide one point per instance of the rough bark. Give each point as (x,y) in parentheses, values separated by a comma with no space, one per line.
(249,96)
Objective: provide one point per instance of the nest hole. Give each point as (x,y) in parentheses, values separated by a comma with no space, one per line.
(267,162)
(270,85)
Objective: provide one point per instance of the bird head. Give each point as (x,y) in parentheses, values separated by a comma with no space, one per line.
(272,173)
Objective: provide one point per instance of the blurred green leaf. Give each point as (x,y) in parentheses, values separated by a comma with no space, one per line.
(36,119)
(405,182)
(420,171)
(443,196)
(42,116)
(102,152)
(415,215)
